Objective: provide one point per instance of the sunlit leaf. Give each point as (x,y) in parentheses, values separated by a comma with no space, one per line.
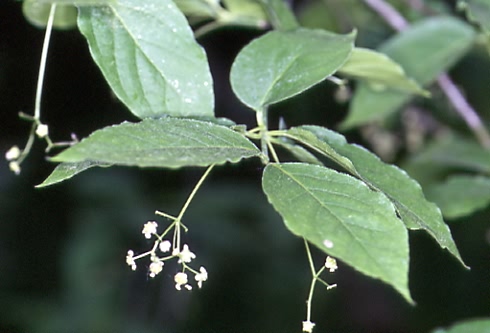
(425,50)
(282,64)
(377,69)
(147,53)
(65,171)
(461,195)
(406,194)
(343,217)
(164,143)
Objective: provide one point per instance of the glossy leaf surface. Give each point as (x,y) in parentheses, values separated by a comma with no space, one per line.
(282,64)
(148,55)
(165,143)
(343,217)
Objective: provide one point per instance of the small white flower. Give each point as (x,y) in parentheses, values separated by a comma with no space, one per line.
(188,287)
(331,264)
(42,130)
(130,260)
(14,167)
(156,267)
(149,228)
(180,279)
(201,276)
(186,255)
(165,246)
(308,326)
(12,154)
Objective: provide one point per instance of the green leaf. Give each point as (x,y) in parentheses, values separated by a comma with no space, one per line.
(300,153)
(478,11)
(477,325)
(164,143)
(280,15)
(249,8)
(281,64)
(406,194)
(461,195)
(199,8)
(425,50)
(379,71)
(65,171)
(37,13)
(343,217)
(78,3)
(148,55)
(456,152)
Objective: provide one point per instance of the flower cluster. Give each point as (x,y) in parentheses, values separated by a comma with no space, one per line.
(15,156)
(164,250)
(12,155)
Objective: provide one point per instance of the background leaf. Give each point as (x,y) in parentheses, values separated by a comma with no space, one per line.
(148,55)
(65,171)
(478,11)
(280,14)
(455,152)
(460,195)
(325,206)
(378,69)
(414,210)
(468,326)
(247,8)
(425,50)
(281,64)
(37,14)
(164,143)
(199,8)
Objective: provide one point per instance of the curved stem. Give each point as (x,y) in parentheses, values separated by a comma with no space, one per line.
(454,95)
(42,65)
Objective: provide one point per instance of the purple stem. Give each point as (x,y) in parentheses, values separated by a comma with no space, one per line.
(462,107)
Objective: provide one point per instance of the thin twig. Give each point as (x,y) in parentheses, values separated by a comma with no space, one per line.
(388,13)
(454,95)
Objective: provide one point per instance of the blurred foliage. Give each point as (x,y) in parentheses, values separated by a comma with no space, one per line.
(62,249)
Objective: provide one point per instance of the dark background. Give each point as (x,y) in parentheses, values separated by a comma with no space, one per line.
(62,249)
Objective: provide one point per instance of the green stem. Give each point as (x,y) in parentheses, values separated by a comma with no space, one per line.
(178,219)
(39,88)
(262,123)
(194,191)
(42,65)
